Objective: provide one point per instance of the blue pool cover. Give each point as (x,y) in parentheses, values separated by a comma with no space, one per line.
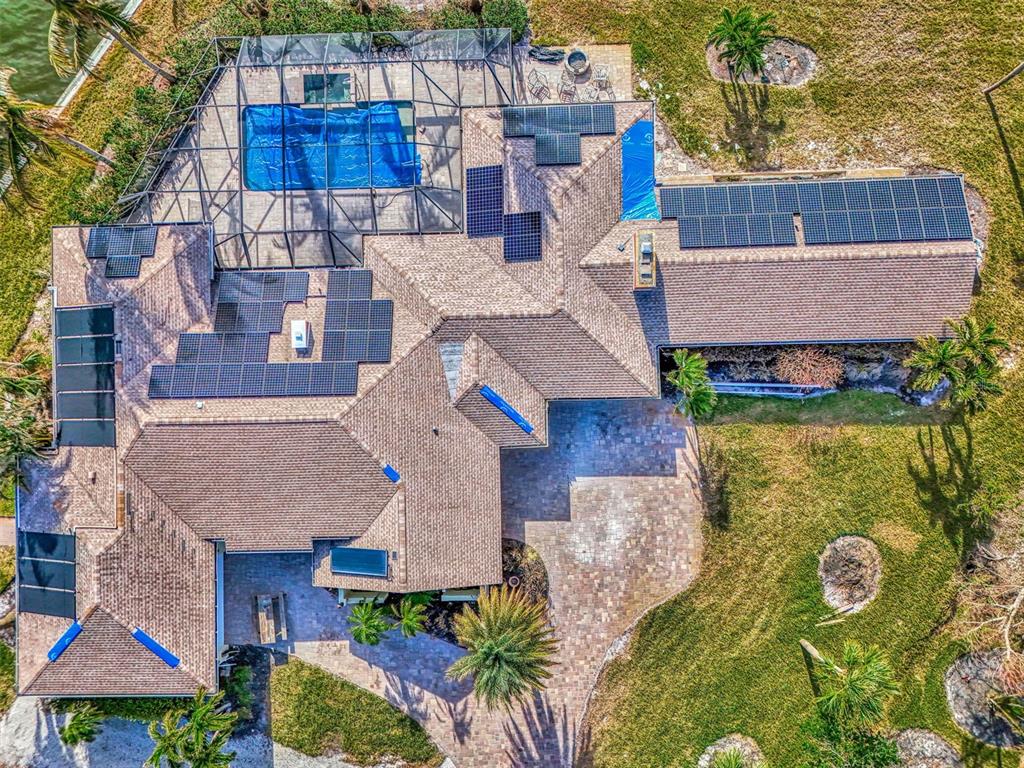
(638,198)
(288,147)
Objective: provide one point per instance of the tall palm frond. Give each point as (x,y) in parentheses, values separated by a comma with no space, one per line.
(411,615)
(690,370)
(855,690)
(509,646)
(977,384)
(368,623)
(980,342)
(742,37)
(935,360)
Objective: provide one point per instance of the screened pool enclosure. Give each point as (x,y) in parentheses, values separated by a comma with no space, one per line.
(300,145)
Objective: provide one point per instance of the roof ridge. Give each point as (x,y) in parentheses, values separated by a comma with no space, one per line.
(626,366)
(182,665)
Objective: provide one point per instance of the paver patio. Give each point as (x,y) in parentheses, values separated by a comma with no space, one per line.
(612,506)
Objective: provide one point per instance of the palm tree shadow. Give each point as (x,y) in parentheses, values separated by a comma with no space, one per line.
(544,738)
(948,483)
(748,126)
(1011,163)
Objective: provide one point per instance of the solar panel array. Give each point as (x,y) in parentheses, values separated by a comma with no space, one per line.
(46,574)
(122,247)
(253,380)
(485,201)
(84,375)
(522,236)
(582,119)
(557,149)
(357,329)
(831,212)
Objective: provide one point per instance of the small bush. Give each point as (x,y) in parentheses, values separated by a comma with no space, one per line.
(143,710)
(239,692)
(809,365)
(83,725)
(510,14)
(454,15)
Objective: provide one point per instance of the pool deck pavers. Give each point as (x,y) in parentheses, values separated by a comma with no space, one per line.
(612,505)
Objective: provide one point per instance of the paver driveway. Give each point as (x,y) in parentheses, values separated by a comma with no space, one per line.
(612,506)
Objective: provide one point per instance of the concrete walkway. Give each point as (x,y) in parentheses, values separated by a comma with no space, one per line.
(612,506)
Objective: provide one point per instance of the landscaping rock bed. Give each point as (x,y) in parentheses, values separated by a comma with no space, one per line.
(923,749)
(787,62)
(752,755)
(969,681)
(850,569)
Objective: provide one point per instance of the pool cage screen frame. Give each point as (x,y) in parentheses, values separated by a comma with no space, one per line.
(199,174)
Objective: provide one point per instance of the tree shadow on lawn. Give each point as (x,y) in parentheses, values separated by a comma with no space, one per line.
(950,485)
(1011,163)
(748,127)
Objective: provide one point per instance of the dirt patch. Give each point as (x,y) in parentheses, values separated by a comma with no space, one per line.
(787,63)
(850,569)
(896,536)
(752,755)
(923,749)
(969,681)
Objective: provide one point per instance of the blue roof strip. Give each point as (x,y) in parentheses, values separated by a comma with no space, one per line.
(498,402)
(166,656)
(65,640)
(392,473)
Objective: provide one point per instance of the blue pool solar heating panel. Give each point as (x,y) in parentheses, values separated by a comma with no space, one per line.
(737,234)
(762,198)
(951,189)
(358,561)
(933,220)
(92,432)
(689,232)
(760,226)
(73,350)
(880,194)
(85,378)
(886,228)
(717,200)
(522,236)
(119,267)
(838,225)
(862,226)
(786,198)
(909,222)
(49,602)
(815,231)
(712,231)
(671,202)
(903,193)
(47,546)
(809,194)
(739,199)
(857,198)
(485,201)
(928,195)
(85,405)
(49,574)
(833,196)
(958,222)
(84,321)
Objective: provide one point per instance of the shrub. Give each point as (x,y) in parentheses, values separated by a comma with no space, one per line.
(368,623)
(809,365)
(142,710)
(238,691)
(510,14)
(83,725)
(454,15)
(690,378)
(729,758)
(826,745)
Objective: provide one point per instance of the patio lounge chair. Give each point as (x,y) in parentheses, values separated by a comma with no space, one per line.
(567,91)
(590,93)
(538,84)
(600,77)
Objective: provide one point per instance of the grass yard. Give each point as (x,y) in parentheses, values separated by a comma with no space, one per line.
(898,85)
(317,714)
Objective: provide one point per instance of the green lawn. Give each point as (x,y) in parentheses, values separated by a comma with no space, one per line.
(898,84)
(317,714)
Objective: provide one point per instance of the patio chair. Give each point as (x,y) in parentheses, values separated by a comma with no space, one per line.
(591,93)
(567,91)
(600,76)
(538,84)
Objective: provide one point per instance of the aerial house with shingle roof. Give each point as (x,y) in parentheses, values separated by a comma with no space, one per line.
(450,259)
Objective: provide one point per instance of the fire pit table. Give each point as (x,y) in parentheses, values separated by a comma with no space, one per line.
(577,62)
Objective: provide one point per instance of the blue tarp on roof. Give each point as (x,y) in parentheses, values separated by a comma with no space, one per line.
(638,198)
(288,147)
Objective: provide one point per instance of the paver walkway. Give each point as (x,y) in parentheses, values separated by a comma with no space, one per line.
(611,506)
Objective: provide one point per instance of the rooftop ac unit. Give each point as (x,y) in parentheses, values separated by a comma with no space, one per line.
(300,334)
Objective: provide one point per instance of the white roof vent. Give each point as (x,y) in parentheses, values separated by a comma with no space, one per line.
(300,334)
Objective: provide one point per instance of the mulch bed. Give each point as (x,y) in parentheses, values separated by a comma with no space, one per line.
(924,749)
(752,755)
(969,681)
(850,569)
(787,62)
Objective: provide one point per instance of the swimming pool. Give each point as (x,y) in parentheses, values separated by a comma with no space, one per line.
(289,147)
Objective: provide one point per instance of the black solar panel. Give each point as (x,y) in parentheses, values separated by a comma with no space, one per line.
(94,433)
(105,242)
(760,226)
(585,119)
(334,345)
(522,236)
(739,199)
(958,223)
(251,381)
(886,229)
(557,149)
(380,314)
(206,381)
(857,198)
(379,346)
(712,231)
(903,193)
(120,242)
(183,381)
(73,350)
(160,378)
(786,198)
(273,287)
(85,378)
(345,377)
(297,382)
(880,194)
(838,225)
(296,286)
(122,266)
(717,199)
(275,380)
(144,241)
(862,227)
(783,229)
(671,202)
(736,233)
(559,119)
(337,284)
(355,345)
(833,196)
(84,321)
(694,201)
(229,380)
(603,120)
(951,189)
(98,242)
(928,192)
(49,602)
(933,221)
(815,232)
(360,284)
(485,204)
(909,223)
(689,232)
(321,378)
(513,120)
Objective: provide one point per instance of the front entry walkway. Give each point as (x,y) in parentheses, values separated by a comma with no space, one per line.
(612,506)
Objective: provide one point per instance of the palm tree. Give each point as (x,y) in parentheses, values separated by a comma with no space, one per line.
(743,36)
(29,132)
(73,20)
(509,646)
(977,341)
(699,401)
(23,433)
(690,370)
(729,758)
(854,690)
(411,615)
(368,623)
(936,360)
(194,737)
(976,384)
(83,725)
